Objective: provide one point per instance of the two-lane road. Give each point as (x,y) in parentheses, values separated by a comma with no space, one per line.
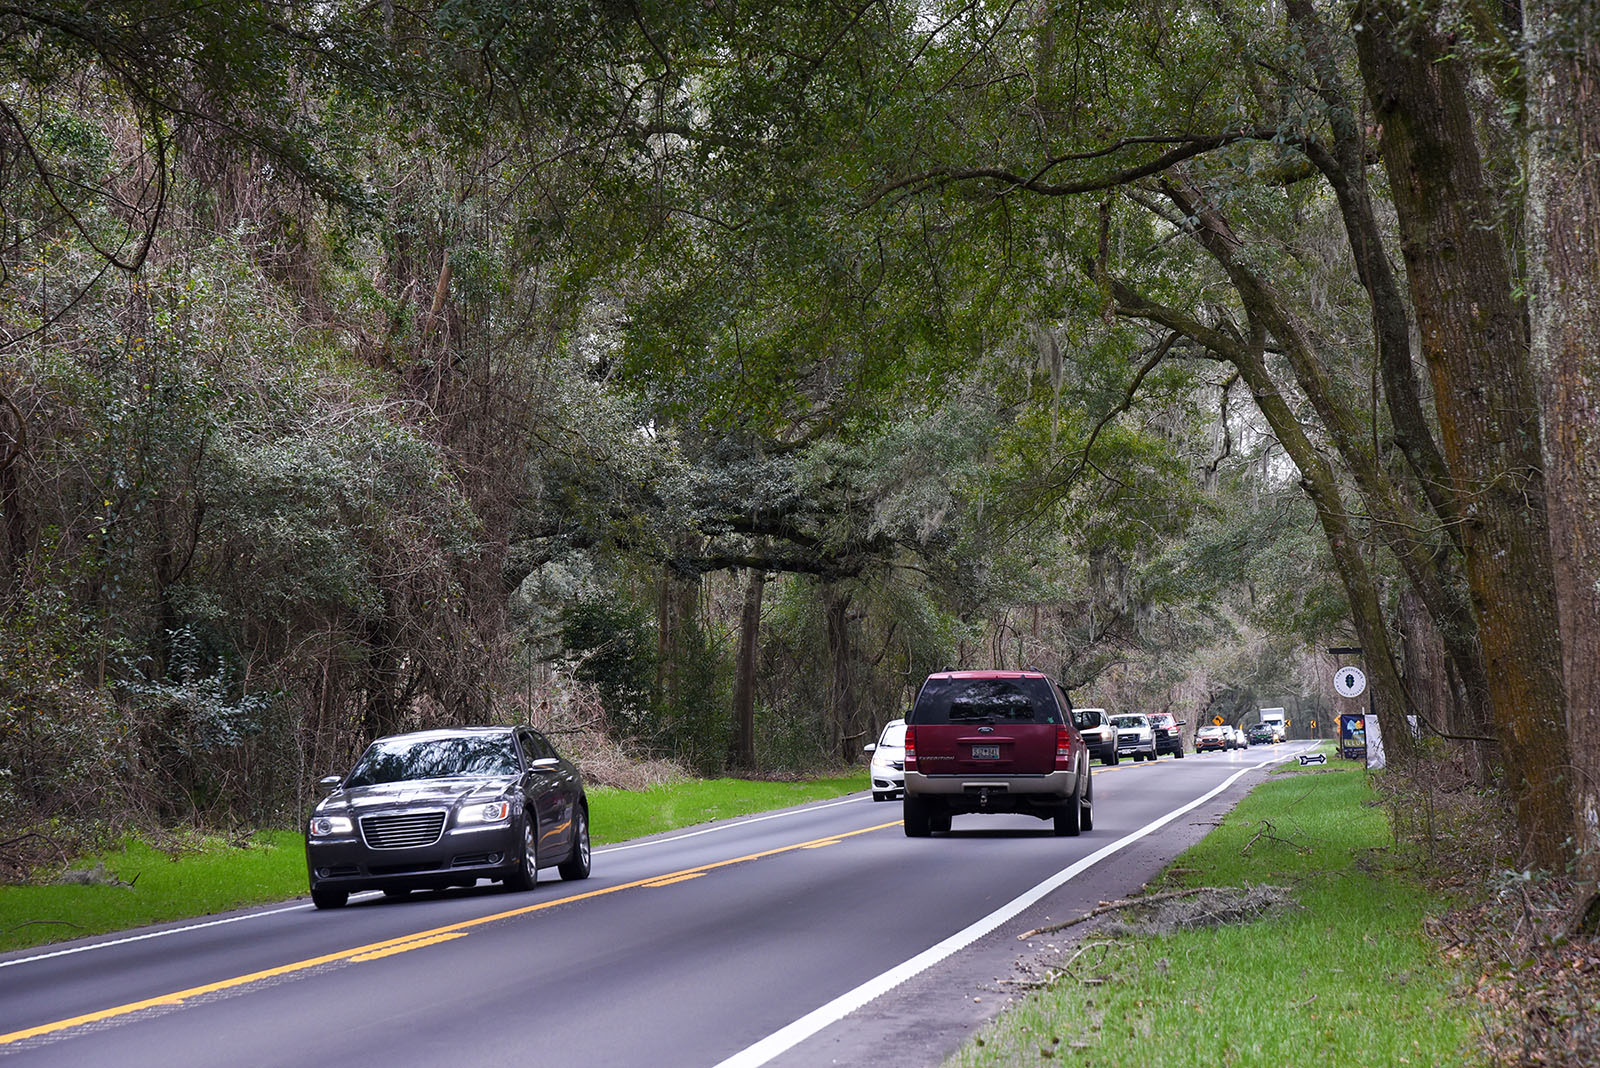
(812,935)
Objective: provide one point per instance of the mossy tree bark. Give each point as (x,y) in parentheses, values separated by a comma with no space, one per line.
(1475,340)
(1564,297)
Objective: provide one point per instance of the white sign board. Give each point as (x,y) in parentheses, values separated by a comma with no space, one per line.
(1376,758)
(1350,681)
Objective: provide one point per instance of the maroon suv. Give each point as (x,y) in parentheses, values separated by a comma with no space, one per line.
(995,741)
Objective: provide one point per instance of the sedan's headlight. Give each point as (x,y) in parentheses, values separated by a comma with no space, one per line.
(493,812)
(323,826)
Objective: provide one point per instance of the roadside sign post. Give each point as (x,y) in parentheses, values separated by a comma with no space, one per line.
(1350,684)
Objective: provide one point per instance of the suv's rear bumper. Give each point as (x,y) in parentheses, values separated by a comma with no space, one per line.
(1037,795)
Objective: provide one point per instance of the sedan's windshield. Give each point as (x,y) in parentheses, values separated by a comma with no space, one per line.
(404,759)
(894,736)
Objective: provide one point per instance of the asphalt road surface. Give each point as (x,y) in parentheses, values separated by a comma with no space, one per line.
(813,936)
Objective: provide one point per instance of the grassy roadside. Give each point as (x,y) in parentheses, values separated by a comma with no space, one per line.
(138,884)
(1343,976)
(618,815)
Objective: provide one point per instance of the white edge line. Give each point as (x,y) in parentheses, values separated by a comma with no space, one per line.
(791,1035)
(147,934)
(305,905)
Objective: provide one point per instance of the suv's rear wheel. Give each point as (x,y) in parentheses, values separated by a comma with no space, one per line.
(915,814)
(1069,817)
(1086,808)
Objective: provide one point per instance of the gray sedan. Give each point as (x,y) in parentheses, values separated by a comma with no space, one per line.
(446,808)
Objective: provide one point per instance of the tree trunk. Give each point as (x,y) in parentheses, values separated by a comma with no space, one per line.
(1476,346)
(1564,294)
(1320,485)
(677,609)
(742,743)
(1345,169)
(841,653)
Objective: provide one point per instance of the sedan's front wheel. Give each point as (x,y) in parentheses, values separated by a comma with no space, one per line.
(327,897)
(526,877)
(577,865)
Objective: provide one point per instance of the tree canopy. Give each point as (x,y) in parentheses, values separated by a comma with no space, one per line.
(694,377)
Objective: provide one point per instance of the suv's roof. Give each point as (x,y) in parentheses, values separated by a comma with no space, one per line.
(991,674)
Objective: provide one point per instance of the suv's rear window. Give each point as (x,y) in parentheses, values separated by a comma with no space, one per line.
(1020,700)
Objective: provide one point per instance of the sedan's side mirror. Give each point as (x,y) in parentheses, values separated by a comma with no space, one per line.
(873,748)
(544,764)
(1183,723)
(329,783)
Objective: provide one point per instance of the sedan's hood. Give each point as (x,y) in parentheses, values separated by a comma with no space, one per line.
(442,792)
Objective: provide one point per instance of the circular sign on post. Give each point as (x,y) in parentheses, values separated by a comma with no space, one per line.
(1350,681)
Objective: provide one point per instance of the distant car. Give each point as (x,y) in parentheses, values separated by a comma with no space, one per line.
(1169,733)
(1098,734)
(888,765)
(445,808)
(1208,738)
(1135,735)
(995,741)
(1261,734)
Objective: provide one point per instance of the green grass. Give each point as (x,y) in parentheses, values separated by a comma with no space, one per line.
(1349,978)
(618,815)
(209,875)
(205,876)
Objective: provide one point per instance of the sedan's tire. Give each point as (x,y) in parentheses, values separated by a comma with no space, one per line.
(526,874)
(881,795)
(915,813)
(327,897)
(577,866)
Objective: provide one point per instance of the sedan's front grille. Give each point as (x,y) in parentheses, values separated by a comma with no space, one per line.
(405,830)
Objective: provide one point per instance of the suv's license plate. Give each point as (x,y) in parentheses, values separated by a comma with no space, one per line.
(986,752)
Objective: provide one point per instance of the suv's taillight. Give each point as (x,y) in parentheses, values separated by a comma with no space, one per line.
(1063,748)
(911,749)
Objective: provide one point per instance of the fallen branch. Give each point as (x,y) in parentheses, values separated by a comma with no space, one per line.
(1113,906)
(1269,832)
(30,923)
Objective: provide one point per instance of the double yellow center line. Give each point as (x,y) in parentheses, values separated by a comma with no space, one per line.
(392,946)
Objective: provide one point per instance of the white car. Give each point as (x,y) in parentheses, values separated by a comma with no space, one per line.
(1098,734)
(1135,735)
(889,762)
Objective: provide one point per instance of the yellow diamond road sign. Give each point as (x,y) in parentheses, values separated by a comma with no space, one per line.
(1218,720)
